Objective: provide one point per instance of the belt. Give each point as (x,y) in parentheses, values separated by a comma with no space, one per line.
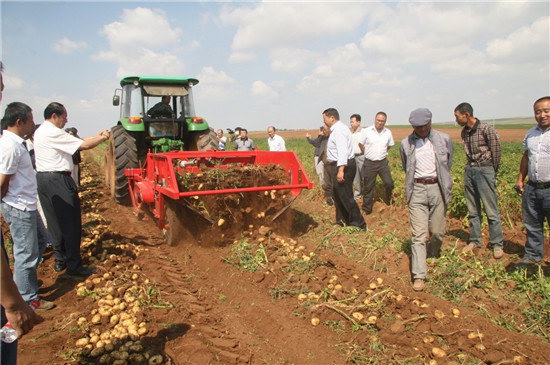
(484,163)
(539,185)
(68,173)
(426,181)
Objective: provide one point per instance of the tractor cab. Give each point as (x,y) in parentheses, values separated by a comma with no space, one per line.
(157,114)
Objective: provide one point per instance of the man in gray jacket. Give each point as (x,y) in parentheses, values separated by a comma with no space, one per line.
(427,156)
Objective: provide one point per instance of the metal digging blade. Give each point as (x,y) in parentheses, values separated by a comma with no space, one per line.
(284,209)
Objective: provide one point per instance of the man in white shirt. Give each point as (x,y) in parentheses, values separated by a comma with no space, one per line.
(222,140)
(341,169)
(535,164)
(57,190)
(275,142)
(375,146)
(19,197)
(357,136)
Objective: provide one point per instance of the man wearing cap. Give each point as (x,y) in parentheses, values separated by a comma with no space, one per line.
(427,156)
(341,169)
(482,148)
(535,164)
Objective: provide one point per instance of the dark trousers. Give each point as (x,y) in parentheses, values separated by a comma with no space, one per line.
(59,198)
(371,169)
(347,210)
(327,183)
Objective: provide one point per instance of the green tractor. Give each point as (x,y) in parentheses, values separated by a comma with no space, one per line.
(156,114)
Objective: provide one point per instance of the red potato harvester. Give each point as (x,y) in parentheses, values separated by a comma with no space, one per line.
(154,188)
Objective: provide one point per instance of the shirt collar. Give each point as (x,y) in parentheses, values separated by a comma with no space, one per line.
(13,136)
(474,127)
(374,129)
(540,129)
(334,125)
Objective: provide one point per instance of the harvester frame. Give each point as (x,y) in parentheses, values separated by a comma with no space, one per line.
(154,189)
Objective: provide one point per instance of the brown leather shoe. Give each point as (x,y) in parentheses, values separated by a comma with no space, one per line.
(498,252)
(419,284)
(469,248)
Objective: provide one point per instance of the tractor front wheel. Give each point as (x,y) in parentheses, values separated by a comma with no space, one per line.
(203,140)
(121,154)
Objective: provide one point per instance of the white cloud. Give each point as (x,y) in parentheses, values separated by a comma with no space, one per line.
(263,92)
(268,25)
(13,82)
(526,43)
(290,60)
(141,42)
(67,46)
(457,38)
(215,85)
(237,57)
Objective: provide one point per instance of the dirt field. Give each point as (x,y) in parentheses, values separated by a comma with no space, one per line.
(309,301)
(506,135)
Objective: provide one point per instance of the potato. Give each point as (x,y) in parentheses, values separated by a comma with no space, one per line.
(81,342)
(372,319)
(81,321)
(439,314)
(480,347)
(302,297)
(221,221)
(96,319)
(358,316)
(100,344)
(518,359)
(437,352)
(379,281)
(115,318)
(105,359)
(338,287)
(428,339)
(142,330)
(315,321)
(136,358)
(155,360)
(98,351)
(109,347)
(373,286)
(94,339)
(456,313)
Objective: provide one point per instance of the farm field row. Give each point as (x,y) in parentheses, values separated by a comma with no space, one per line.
(313,295)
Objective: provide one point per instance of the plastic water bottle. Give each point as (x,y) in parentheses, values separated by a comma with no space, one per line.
(7,333)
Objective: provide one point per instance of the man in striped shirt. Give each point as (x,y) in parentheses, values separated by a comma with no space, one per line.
(482,147)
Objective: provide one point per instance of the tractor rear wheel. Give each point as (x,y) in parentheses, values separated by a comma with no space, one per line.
(121,154)
(203,140)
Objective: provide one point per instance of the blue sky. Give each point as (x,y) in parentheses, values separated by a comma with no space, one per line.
(281,63)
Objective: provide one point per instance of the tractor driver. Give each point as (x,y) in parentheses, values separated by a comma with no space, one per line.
(161,109)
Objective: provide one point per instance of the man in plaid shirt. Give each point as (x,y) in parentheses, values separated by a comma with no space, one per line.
(482,147)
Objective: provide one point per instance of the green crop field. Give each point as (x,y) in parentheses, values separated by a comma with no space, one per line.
(510,203)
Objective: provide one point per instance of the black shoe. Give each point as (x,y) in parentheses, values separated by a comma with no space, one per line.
(59,266)
(82,271)
(367,212)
